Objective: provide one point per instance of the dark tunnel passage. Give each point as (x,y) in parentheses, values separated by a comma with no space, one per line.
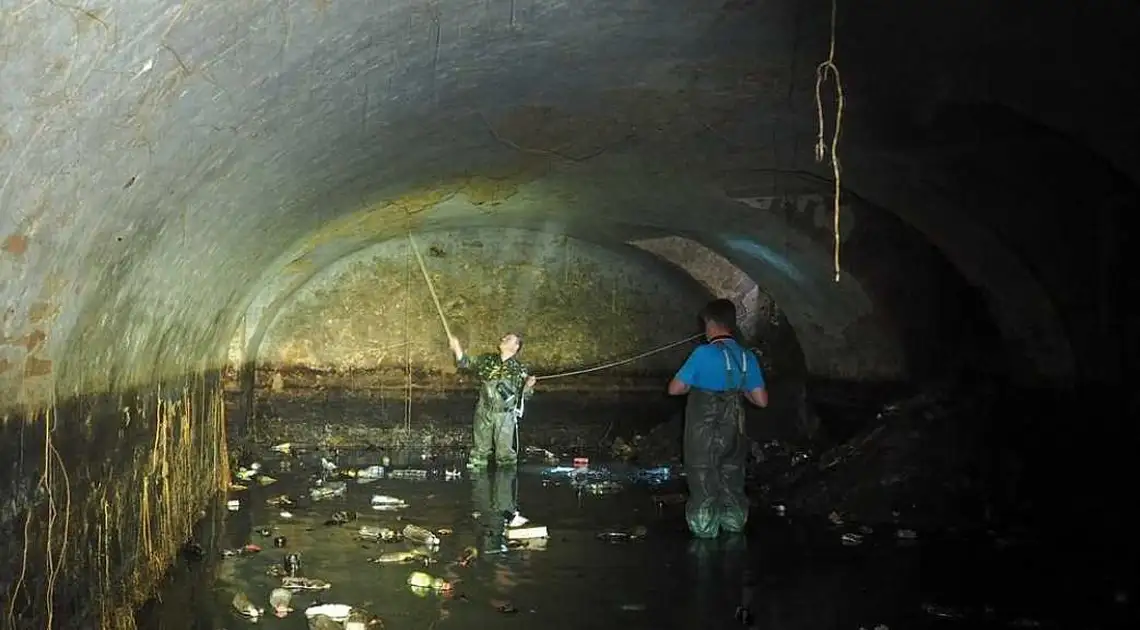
(212,218)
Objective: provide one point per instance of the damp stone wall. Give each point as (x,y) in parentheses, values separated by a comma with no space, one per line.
(576,304)
(100,493)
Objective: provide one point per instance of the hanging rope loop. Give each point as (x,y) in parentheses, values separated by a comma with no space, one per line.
(824,71)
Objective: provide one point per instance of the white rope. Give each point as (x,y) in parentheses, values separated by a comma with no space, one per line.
(604,366)
(430,285)
(823,71)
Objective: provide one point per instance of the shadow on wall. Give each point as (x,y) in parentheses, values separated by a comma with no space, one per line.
(100,494)
(577,304)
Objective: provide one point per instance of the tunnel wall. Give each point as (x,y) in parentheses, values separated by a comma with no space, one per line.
(917,293)
(915,255)
(1068,234)
(720,277)
(761,323)
(845,328)
(102,492)
(1031,327)
(576,303)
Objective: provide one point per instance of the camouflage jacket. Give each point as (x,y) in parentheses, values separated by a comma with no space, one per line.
(500,381)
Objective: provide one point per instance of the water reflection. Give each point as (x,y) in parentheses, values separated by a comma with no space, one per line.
(494,498)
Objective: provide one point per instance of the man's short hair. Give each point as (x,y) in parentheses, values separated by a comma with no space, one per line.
(519,337)
(721,312)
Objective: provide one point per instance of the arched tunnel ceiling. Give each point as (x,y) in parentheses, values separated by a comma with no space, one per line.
(161,163)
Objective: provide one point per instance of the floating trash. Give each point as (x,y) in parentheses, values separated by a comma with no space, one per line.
(420,536)
(292,564)
(294,583)
(245,608)
(401,557)
(336,612)
(281,500)
(419,579)
(384,502)
(603,487)
(279,600)
(527,533)
(369,473)
(653,476)
(616,536)
(328,491)
(379,534)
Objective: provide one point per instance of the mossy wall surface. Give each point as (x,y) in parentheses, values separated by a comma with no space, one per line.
(576,304)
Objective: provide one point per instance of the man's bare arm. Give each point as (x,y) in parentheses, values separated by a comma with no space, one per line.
(758,396)
(678,388)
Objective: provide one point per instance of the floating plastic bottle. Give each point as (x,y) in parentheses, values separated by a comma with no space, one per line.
(420,536)
(328,490)
(383,502)
(292,564)
(369,532)
(370,472)
(419,579)
(279,601)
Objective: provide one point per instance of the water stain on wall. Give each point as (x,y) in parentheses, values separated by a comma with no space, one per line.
(15,244)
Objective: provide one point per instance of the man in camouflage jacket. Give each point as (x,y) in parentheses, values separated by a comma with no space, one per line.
(503,385)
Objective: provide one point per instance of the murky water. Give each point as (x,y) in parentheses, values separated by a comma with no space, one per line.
(549,582)
(788,573)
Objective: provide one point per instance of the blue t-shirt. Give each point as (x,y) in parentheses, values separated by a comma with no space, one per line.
(721,366)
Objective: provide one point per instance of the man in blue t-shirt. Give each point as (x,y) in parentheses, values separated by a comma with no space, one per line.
(716,376)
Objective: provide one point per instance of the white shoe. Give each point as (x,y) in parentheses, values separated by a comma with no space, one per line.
(518,520)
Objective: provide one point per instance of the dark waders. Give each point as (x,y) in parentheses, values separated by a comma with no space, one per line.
(715,454)
(494,428)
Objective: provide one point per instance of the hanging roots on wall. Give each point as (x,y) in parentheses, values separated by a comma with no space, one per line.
(171,492)
(55,538)
(825,70)
(55,561)
(134,520)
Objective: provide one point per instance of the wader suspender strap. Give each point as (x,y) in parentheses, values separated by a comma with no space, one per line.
(520,402)
(738,386)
